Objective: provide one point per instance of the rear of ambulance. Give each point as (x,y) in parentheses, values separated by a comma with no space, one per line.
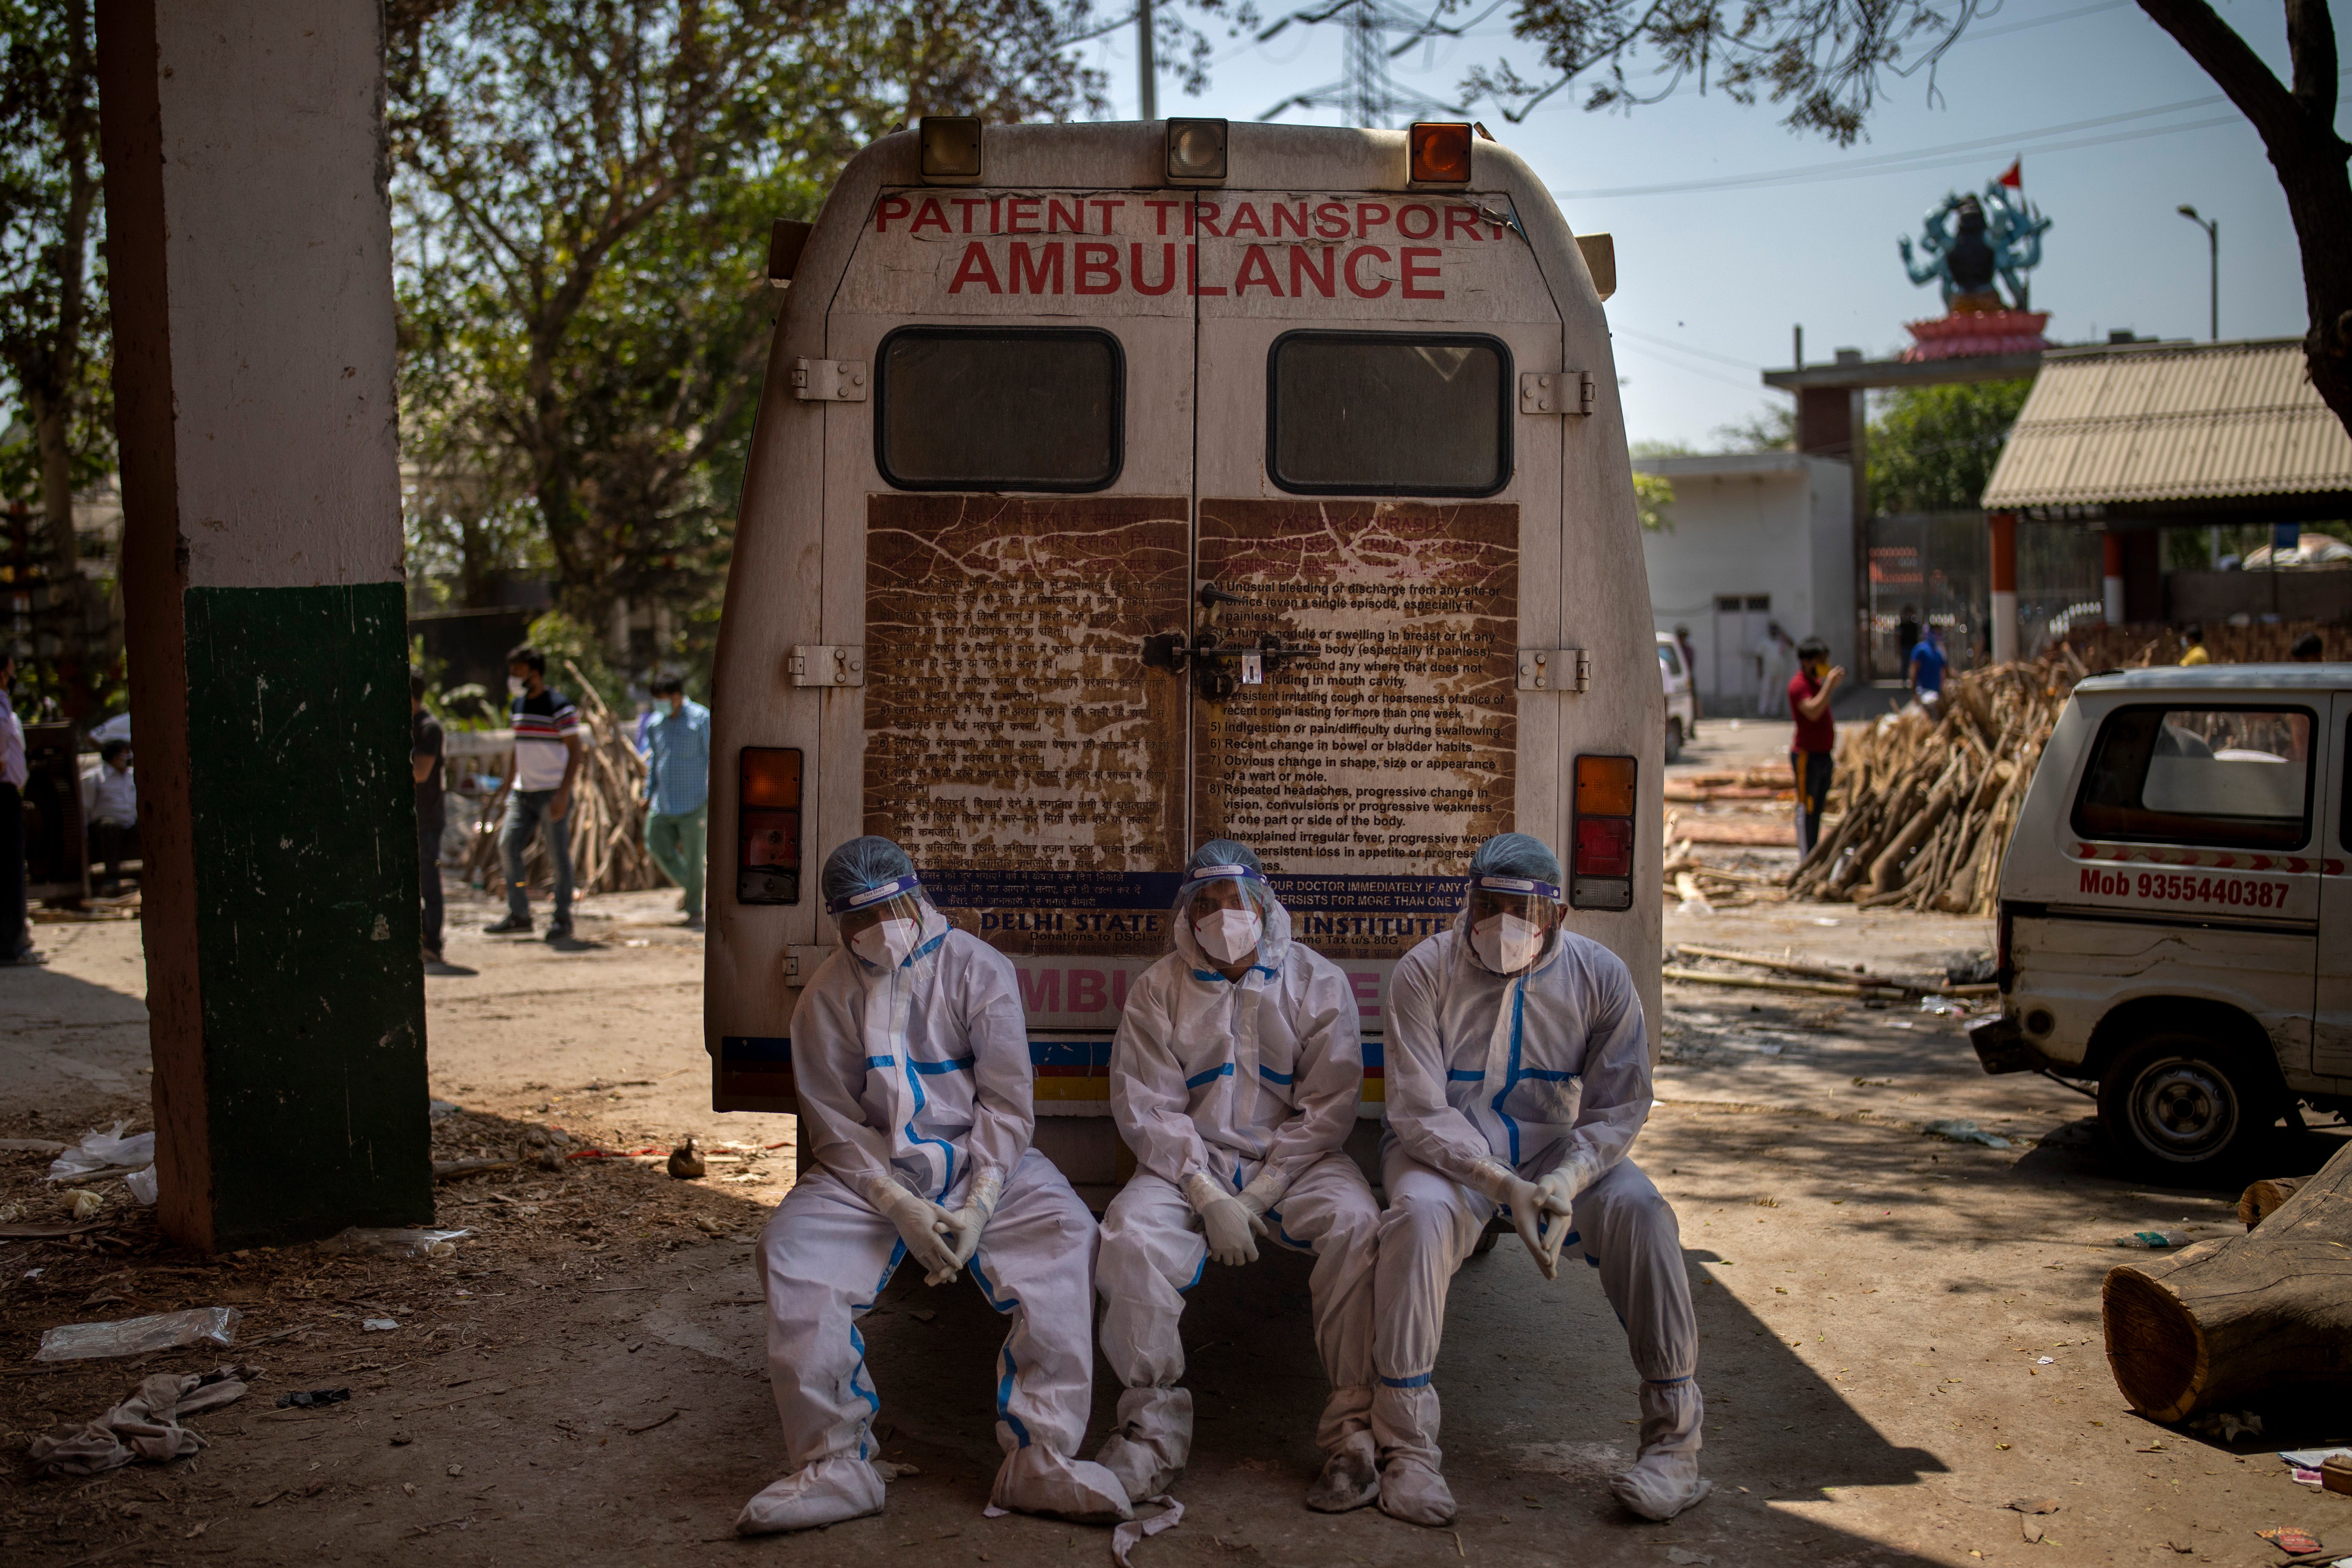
(1116,488)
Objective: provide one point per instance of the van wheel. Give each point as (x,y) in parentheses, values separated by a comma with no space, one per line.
(2176,1105)
(1674,739)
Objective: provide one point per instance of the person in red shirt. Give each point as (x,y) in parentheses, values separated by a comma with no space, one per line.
(1812,753)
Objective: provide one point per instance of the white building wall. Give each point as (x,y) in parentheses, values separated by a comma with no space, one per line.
(1769,526)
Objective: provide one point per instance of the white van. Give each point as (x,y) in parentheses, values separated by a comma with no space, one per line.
(2175,913)
(1682,705)
(1121,486)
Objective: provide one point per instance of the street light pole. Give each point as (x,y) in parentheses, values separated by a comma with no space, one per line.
(1149,96)
(2213,228)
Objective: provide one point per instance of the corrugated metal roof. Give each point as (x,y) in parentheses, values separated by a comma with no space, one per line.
(2164,422)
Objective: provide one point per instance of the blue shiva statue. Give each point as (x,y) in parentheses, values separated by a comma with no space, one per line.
(2000,232)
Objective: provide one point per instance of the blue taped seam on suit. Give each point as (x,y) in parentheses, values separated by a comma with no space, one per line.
(1271,1076)
(957,1063)
(1456,1075)
(858,1341)
(1511,1074)
(1004,1384)
(1198,1079)
(1421,1381)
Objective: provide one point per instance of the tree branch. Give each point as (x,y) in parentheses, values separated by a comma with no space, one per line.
(2288,133)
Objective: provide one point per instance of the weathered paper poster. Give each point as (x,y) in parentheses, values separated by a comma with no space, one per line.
(1015,746)
(1395,747)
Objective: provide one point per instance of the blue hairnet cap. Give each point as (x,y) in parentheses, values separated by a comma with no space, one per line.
(862,864)
(1516,855)
(1224,852)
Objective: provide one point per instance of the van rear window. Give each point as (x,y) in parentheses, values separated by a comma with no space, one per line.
(2236,778)
(999,409)
(1388,413)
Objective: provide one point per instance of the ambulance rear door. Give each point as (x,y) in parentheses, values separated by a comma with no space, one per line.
(1387,526)
(1019,487)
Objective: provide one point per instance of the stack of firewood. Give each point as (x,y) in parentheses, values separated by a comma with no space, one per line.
(1925,801)
(607,819)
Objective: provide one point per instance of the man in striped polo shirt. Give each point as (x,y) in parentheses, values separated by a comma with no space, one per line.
(538,793)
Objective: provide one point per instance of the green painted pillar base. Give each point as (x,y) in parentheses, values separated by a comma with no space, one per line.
(306,923)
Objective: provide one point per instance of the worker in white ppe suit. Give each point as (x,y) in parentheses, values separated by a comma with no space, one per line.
(1235,1078)
(911,1055)
(1519,1073)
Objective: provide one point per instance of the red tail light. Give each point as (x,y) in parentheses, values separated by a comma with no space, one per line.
(1600,841)
(1605,847)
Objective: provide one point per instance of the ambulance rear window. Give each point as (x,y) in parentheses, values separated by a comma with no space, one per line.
(1388,413)
(999,409)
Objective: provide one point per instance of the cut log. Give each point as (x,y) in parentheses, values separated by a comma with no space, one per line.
(2227,1321)
(2261,1200)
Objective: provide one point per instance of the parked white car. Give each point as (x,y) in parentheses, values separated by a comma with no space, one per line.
(2176,912)
(1682,705)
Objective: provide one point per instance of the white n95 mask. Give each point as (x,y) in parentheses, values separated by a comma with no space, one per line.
(1506,943)
(514,686)
(886,943)
(1229,935)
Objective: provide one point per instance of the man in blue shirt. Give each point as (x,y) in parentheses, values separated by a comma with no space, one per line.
(678,785)
(1926,670)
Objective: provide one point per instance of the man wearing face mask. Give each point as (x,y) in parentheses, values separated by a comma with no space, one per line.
(1235,1078)
(1519,1073)
(910,1057)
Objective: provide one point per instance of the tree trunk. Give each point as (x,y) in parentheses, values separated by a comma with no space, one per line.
(2227,1321)
(2297,126)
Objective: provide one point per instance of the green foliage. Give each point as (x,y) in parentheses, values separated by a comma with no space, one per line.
(1821,59)
(1652,494)
(1933,449)
(54,343)
(1771,428)
(583,192)
(1657,448)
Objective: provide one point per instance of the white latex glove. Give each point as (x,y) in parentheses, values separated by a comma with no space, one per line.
(1558,1190)
(1500,1183)
(921,1224)
(1262,1195)
(968,1222)
(1227,1221)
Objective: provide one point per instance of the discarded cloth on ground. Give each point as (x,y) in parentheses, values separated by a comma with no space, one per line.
(144,1427)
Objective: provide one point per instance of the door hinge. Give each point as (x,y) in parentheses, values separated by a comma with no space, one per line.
(1555,669)
(822,663)
(829,380)
(801,963)
(1555,392)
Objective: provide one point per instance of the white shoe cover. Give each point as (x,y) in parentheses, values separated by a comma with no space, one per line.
(1139,1470)
(1665,1478)
(1036,1481)
(1350,1477)
(826,1492)
(1662,1485)
(1414,1492)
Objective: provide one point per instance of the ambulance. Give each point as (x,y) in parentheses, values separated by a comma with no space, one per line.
(1119,487)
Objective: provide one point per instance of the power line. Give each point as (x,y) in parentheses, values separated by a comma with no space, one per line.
(1898,162)
(1685,348)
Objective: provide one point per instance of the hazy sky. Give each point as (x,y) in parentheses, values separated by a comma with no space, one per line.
(1709,282)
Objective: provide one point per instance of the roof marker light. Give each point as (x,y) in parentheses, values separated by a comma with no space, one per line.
(950,149)
(1439,152)
(1196,151)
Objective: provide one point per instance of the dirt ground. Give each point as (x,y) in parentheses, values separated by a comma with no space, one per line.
(583,1381)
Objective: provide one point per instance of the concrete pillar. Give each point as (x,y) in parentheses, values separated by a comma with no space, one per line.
(2002,612)
(249,244)
(2111,580)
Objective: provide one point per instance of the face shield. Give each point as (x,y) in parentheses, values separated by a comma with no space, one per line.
(1225,908)
(887,925)
(1510,920)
